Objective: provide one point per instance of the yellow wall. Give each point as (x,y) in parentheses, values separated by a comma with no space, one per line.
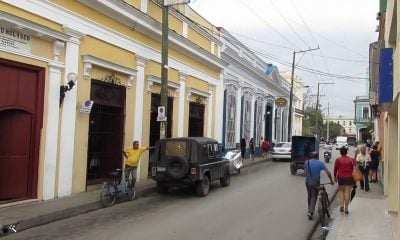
(43,48)
(34,18)
(193,82)
(154,11)
(135,3)
(199,39)
(107,21)
(175,24)
(90,45)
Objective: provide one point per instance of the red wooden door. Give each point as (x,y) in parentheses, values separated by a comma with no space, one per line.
(21,114)
(15,132)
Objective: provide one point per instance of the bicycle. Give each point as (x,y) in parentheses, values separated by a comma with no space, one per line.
(323,205)
(110,191)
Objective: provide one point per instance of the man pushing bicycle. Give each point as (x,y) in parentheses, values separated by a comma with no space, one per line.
(313,168)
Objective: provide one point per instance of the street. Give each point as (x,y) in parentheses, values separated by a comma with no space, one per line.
(263,202)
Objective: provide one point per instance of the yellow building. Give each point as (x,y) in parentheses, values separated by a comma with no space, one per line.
(67,137)
(384,98)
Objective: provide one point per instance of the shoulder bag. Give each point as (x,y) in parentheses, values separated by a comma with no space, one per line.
(357,175)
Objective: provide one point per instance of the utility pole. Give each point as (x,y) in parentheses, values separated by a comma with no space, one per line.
(291,92)
(316,112)
(165,4)
(327,125)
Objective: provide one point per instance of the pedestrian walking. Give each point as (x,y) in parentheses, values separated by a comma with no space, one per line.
(375,157)
(313,168)
(265,147)
(252,148)
(363,161)
(243,147)
(343,175)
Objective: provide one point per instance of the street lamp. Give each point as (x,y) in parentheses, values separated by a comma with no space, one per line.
(164,60)
(291,93)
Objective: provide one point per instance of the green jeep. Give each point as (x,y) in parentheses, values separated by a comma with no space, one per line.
(185,161)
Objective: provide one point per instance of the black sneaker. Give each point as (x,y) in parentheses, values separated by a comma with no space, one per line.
(309,216)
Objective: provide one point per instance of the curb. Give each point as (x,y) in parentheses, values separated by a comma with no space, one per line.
(317,223)
(85,208)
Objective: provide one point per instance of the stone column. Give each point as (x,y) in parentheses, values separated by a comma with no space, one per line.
(181,103)
(68,117)
(52,121)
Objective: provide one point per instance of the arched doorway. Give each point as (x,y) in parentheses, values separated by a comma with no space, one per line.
(268,121)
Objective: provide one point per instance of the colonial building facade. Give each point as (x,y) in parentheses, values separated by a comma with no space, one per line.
(111,50)
(251,87)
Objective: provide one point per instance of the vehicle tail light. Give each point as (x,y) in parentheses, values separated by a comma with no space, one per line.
(153,171)
(193,171)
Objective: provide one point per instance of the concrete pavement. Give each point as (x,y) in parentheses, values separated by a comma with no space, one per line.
(368,218)
(28,214)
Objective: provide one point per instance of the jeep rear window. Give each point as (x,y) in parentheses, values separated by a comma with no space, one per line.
(176,148)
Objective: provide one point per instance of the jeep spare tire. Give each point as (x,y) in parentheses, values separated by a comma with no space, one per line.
(177,167)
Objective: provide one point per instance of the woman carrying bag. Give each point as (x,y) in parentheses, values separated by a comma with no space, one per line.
(343,175)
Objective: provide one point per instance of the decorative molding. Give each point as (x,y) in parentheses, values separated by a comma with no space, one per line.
(182,76)
(111,78)
(89,61)
(190,91)
(57,48)
(151,79)
(130,16)
(75,35)
(141,61)
(33,28)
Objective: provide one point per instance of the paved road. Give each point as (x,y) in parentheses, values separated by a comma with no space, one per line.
(263,202)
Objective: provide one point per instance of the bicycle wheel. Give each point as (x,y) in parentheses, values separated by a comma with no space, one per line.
(108,194)
(323,217)
(130,190)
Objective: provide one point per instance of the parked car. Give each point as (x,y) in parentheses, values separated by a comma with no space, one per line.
(181,162)
(281,150)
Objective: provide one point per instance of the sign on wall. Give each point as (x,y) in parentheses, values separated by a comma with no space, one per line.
(86,106)
(281,102)
(14,40)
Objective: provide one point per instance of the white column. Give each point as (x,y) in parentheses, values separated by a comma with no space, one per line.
(264,115)
(138,118)
(50,154)
(273,123)
(143,5)
(181,103)
(68,118)
(210,115)
(140,65)
(238,115)
(219,105)
(253,101)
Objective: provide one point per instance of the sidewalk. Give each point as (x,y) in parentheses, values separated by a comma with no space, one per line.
(34,213)
(368,218)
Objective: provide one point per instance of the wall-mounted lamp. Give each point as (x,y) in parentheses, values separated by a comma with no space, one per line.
(72,77)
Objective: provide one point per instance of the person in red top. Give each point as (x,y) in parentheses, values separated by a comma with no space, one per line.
(343,175)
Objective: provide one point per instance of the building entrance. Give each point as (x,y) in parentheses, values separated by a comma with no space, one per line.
(106,123)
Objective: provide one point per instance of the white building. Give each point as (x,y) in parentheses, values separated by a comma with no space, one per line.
(346,122)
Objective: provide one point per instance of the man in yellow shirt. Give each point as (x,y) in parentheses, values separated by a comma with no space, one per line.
(132,155)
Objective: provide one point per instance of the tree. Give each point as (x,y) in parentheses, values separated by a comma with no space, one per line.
(309,121)
(335,130)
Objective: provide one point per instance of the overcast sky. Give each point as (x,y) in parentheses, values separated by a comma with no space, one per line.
(342,29)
